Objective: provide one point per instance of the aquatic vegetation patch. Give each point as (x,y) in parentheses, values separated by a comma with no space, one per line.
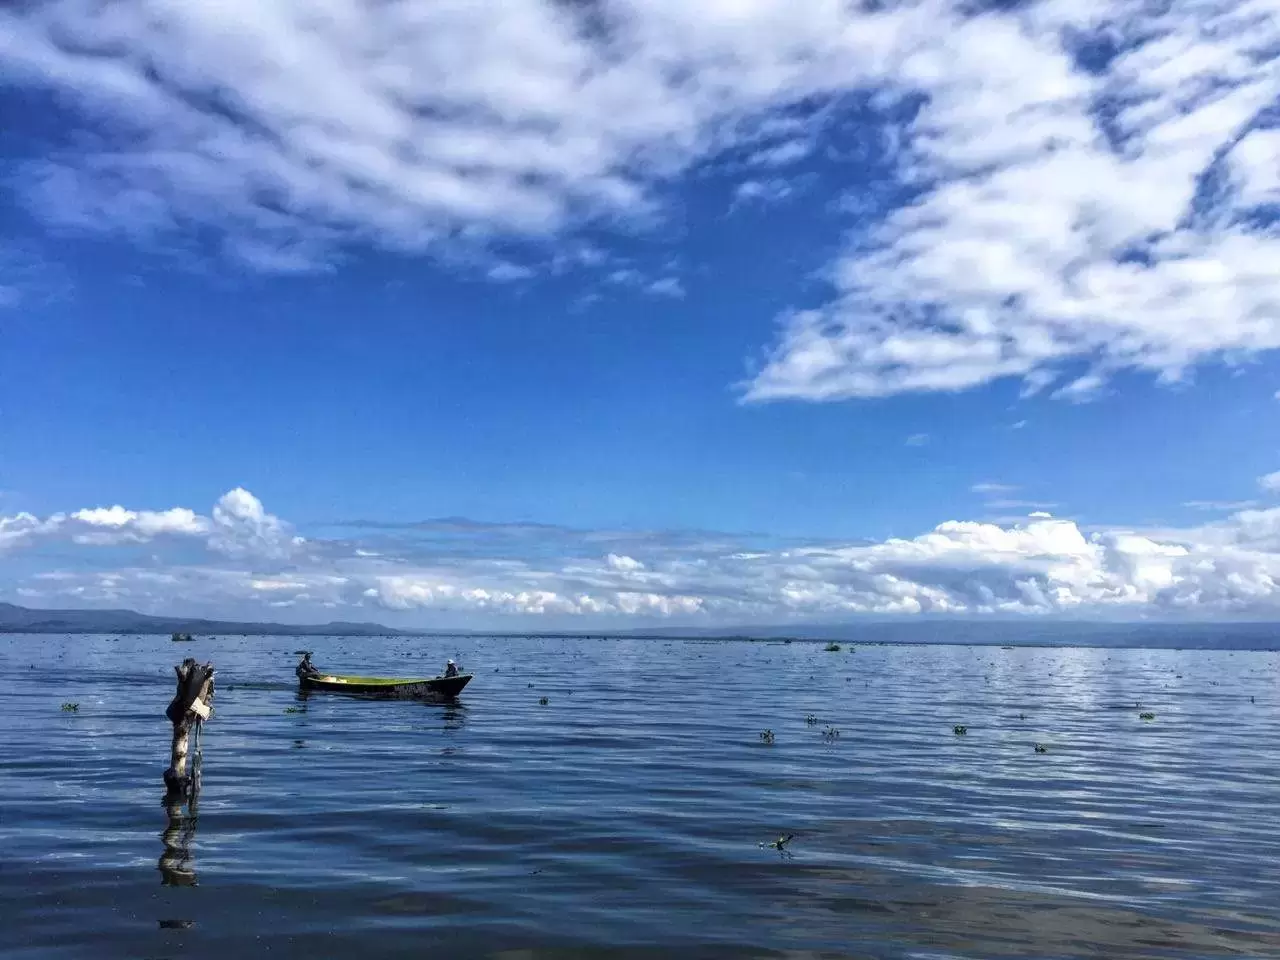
(781,842)
(293,710)
(831,733)
(959,730)
(543,701)
(811,720)
(1146,715)
(832,648)
(766,736)
(71,708)
(1041,748)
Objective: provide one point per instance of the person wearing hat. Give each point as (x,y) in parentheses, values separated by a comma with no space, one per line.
(306,668)
(451,669)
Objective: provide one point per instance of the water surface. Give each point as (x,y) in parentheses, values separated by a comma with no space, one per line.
(630,815)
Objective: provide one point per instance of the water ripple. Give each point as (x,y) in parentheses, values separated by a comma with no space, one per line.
(631,815)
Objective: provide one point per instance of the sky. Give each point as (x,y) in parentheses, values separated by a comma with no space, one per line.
(607,313)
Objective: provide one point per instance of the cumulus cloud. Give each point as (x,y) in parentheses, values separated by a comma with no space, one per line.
(241,526)
(1270,482)
(1038,565)
(238,526)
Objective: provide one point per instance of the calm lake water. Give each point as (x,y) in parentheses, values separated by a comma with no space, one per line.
(629,816)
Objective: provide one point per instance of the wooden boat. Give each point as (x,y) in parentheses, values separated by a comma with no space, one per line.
(391,688)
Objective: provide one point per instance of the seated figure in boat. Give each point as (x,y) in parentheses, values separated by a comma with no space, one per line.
(451,669)
(306,668)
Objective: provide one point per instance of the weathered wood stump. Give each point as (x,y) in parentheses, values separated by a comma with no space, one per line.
(189,709)
(187,712)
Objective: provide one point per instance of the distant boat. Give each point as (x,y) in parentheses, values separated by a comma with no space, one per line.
(182,638)
(391,688)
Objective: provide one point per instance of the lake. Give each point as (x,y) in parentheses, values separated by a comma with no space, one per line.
(631,814)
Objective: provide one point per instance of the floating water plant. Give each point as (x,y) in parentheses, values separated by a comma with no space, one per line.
(1041,748)
(543,701)
(959,730)
(71,708)
(766,736)
(831,733)
(811,720)
(292,709)
(781,842)
(1148,715)
(832,648)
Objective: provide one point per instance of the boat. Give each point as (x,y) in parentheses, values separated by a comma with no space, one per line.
(392,688)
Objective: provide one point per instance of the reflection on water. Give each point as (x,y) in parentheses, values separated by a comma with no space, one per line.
(177,868)
(455,715)
(569,806)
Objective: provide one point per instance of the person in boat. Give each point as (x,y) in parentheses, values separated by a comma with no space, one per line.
(450,669)
(306,668)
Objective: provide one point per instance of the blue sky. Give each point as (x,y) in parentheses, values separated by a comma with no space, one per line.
(507,315)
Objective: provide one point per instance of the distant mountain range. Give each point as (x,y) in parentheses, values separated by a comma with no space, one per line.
(1020,631)
(15,619)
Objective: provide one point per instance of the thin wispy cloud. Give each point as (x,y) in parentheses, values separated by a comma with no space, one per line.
(1220,506)
(990,488)
(762,192)
(1001,503)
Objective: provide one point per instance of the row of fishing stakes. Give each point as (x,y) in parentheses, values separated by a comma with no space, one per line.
(189,709)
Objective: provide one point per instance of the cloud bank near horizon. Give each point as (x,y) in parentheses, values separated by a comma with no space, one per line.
(240,556)
(1054,192)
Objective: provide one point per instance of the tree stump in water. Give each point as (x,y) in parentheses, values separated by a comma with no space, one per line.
(189,709)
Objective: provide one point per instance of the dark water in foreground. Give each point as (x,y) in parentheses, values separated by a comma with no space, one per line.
(625,817)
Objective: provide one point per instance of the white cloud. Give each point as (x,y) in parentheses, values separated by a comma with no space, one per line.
(623,564)
(505,272)
(239,526)
(667,287)
(242,527)
(1255,161)
(989,488)
(1061,220)
(1035,565)
(783,154)
(1008,504)
(1064,222)
(762,192)
(302,125)
(116,524)
(1270,482)
(917,440)
(1220,506)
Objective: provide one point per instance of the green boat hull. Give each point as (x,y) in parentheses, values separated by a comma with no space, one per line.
(388,688)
